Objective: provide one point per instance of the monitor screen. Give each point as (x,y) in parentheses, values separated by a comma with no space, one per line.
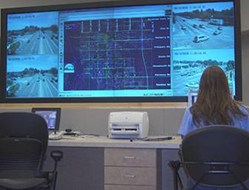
(51,116)
(192,97)
(117,51)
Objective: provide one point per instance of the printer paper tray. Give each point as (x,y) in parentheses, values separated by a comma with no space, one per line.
(124,132)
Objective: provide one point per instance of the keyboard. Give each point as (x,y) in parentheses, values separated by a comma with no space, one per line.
(158,138)
(56,136)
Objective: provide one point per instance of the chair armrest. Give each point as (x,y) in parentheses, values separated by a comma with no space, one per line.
(175,166)
(57,155)
(49,175)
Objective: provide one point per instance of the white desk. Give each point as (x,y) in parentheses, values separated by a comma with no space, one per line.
(99,163)
(104,142)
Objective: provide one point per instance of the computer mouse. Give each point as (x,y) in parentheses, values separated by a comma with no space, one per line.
(68,130)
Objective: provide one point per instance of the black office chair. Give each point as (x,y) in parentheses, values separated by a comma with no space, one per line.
(23,144)
(214,156)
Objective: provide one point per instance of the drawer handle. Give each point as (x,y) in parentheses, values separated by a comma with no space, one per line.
(129,176)
(129,157)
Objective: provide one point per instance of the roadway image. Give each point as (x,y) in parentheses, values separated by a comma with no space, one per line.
(32,33)
(38,43)
(197,34)
(203,26)
(32,84)
(186,78)
(187,75)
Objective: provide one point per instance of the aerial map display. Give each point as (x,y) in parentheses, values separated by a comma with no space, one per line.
(118,54)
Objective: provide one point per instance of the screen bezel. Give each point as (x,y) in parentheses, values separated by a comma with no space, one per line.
(58,116)
(3,66)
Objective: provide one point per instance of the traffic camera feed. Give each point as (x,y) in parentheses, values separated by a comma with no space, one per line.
(160,52)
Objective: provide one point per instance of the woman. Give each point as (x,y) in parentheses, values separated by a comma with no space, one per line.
(214,104)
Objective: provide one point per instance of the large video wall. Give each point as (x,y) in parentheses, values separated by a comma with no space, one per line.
(126,51)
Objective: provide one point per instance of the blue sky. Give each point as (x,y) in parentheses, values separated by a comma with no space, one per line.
(213,54)
(218,6)
(20,21)
(39,62)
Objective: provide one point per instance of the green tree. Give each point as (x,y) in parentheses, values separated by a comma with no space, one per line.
(54,28)
(230,65)
(53,71)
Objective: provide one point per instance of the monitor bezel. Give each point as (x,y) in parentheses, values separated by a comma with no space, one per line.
(58,116)
(3,66)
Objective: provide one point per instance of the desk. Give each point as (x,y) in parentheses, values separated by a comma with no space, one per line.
(85,164)
(104,142)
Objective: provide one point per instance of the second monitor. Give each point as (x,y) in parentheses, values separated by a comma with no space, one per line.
(51,116)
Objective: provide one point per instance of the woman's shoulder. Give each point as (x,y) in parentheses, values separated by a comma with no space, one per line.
(188,110)
(243,108)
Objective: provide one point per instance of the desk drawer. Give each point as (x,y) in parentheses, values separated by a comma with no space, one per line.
(130,176)
(128,187)
(130,157)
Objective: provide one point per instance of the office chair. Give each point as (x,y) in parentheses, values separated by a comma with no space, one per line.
(214,156)
(23,144)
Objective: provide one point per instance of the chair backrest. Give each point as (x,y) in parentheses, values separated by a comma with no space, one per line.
(216,145)
(23,143)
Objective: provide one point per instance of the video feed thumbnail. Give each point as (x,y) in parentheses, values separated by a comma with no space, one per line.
(27,77)
(203,26)
(32,34)
(188,67)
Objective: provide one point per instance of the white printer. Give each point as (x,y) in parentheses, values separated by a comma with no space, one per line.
(127,125)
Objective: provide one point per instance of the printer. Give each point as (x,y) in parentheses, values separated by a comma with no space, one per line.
(128,125)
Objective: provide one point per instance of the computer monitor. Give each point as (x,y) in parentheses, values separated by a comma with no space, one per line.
(193,93)
(192,97)
(51,116)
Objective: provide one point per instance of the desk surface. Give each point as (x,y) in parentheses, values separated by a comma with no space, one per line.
(102,141)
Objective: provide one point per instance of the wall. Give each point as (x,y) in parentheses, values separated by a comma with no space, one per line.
(94,120)
(164,118)
(245,65)
(244,15)
(245,49)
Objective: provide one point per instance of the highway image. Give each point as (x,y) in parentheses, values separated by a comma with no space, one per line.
(186,78)
(203,26)
(32,85)
(187,75)
(197,34)
(37,43)
(32,76)
(32,34)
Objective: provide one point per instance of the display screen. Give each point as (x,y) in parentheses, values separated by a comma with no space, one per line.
(51,116)
(127,51)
